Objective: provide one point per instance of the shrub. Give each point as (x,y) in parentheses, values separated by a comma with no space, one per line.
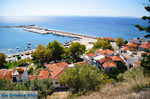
(83,78)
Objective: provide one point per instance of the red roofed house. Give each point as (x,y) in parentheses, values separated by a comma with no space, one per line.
(44,74)
(19,74)
(106,64)
(89,58)
(56,70)
(136,64)
(5,74)
(145,45)
(116,58)
(109,39)
(106,52)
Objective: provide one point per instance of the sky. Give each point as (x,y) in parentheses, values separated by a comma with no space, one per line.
(73,7)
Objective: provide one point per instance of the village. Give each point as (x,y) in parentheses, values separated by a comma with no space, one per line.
(105,60)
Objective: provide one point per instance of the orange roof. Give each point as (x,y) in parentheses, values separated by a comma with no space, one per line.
(57,69)
(2,71)
(44,74)
(104,52)
(124,56)
(82,63)
(91,54)
(6,74)
(109,64)
(132,45)
(109,38)
(127,48)
(137,64)
(116,58)
(57,64)
(145,45)
(105,59)
(32,77)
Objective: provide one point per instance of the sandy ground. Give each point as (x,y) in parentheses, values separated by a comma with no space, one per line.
(59,95)
(88,42)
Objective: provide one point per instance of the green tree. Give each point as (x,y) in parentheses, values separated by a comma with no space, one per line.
(146,18)
(41,54)
(106,45)
(82,78)
(2,60)
(145,62)
(56,49)
(119,42)
(75,50)
(125,42)
(44,87)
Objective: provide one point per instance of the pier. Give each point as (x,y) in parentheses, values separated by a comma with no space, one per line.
(56,32)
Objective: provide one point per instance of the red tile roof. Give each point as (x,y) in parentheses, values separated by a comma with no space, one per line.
(105,59)
(105,52)
(91,55)
(132,45)
(44,74)
(127,48)
(137,64)
(116,58)
(5,74)
(109,38)
(109,64)
(145,45)
(57,69)
(82,63)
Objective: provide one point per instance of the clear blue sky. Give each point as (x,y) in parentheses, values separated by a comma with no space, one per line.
(72,7)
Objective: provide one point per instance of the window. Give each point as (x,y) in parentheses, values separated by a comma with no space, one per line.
(56,82)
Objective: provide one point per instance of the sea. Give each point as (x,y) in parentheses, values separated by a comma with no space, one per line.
(12,38)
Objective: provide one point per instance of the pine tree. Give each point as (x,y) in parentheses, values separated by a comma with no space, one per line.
(146,18)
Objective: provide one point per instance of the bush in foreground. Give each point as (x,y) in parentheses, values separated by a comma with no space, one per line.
(82,78)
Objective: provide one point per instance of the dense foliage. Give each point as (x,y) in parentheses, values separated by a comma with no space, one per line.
(103,44)
(146,18)
(41,54)
(75,50)
(44,87)
(145,62)
(2,60)
(119,42)
(83,78)
(56,49)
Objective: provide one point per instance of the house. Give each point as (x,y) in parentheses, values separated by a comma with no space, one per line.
(116,58)
(136,64)
(89,58)
(106,52)
(44,74)
(109,39)
(19,74)
(106,64)
(6,74)
(56,70)
(136,40)
(145,45)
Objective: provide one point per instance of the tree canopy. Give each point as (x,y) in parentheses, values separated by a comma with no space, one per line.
(41,54)
(145,62)
(103,44)
(2,60)
(56,49)
(75,50)
(119,42)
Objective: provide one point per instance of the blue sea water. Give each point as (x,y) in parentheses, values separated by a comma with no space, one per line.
(95,26)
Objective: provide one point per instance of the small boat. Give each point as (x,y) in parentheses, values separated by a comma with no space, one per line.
(10,50)
(28,43)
